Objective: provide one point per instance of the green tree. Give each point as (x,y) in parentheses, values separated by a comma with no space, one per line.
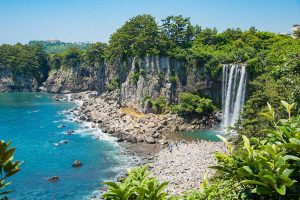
(137,37)
(95,54)
(71,58)
(178,30)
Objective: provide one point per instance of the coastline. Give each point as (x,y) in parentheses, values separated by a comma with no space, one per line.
(184,167)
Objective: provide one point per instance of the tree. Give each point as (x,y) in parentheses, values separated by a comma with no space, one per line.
(178,30)
(71,58)
(137,37)
(94,54)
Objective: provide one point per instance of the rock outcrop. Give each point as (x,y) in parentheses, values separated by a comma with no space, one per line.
(10,82)
(71,80)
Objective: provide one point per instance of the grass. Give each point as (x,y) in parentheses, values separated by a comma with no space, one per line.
(132,112)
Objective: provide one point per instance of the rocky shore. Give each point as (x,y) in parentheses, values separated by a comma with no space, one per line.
(129,125)
(185,164)
(181,163)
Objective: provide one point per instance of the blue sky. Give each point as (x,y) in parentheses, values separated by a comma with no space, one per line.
(95,20)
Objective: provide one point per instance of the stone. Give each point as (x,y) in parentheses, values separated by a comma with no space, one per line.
(77,163)
(70,132)
(63,142)
(139,138)
(53,179)
(149,140)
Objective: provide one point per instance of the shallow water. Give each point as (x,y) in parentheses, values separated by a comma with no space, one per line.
(32,121)
(208,135)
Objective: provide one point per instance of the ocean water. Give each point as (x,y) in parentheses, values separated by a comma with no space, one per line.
(33,122)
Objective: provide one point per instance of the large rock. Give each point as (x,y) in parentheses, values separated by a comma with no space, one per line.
(149,140)
(77,163)
(53,179)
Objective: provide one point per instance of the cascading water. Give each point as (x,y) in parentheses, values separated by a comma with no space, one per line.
(234,82)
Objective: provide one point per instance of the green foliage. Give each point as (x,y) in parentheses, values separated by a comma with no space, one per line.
(30,60)
(135,77)
(192,104)
(278,81)
(8,167)
(178,30)
(160,104)
(114,84)
(95,54)
(138,36)
(269,167)
(71,58)
(173,79)
(138,185)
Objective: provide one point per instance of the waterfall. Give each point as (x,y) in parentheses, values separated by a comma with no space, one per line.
(234,80)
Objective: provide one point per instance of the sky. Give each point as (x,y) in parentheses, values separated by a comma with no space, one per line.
(95,20)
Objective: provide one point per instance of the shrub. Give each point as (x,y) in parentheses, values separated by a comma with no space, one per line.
(160,104)
(139,184)
(8,167)
(114,84)
(173,79)
(268,167)
(193,104)
(136,77)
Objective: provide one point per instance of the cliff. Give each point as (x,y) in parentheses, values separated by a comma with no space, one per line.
(10,82)
(134,78)
(70,80)
(156,76)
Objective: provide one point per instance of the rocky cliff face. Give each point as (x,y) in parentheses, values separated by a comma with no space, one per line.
(71,80)
(21,83)
(156,76)
(137,78)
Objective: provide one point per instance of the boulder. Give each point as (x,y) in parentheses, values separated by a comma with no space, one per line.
(53,179)
(149,140)
(77,163)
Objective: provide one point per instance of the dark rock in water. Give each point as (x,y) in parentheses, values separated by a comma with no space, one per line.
(53,179)
(63,142)
(70,132)
(77,163)
(61,126)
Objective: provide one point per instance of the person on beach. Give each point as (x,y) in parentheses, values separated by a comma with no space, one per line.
(170,147)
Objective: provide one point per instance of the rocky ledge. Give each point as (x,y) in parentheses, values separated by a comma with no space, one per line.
(128,125)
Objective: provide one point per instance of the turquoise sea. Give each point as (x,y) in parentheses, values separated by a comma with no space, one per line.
(34,124)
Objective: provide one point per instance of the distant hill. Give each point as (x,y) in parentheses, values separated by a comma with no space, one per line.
(56,46)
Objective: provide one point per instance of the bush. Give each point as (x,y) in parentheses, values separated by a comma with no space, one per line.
(114,84)
(268,167)
(139,184)
(8,167)
(160,104)
(193,104)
